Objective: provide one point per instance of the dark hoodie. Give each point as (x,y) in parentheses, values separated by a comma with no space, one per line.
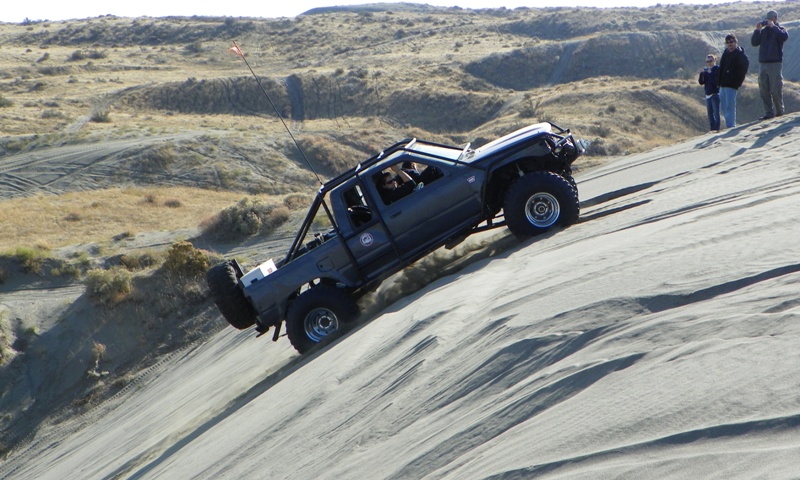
(709,80)
(733,68)
(769,41)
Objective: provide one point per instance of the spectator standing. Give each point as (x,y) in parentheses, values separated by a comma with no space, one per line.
(733,67)
(769,37)
(709,79)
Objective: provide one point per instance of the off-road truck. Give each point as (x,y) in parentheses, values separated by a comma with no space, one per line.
(354,236)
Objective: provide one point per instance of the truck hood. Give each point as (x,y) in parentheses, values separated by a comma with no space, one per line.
(513,137)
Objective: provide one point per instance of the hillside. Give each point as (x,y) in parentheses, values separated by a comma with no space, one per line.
(351,80)
(654,339)
(156,110)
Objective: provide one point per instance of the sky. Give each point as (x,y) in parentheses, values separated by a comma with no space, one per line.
(15,11)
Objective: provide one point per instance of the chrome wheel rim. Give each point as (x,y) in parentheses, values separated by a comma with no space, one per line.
(320,323)
(542,210)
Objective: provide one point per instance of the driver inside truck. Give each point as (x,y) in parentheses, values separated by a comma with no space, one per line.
(395,184)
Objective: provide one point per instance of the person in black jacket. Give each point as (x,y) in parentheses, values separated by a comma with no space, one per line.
(769,37)
(732,69)
(395,185)
(709,79)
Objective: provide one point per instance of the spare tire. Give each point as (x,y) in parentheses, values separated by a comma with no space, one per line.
(223,282)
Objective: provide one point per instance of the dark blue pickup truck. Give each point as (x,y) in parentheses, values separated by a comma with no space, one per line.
(391,210)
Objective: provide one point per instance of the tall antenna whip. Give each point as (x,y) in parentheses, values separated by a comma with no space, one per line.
(236,50)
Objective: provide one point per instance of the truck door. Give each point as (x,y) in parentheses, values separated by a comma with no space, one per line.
(364,234)
(447,202)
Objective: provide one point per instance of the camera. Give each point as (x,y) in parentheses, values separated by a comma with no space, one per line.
(764,23)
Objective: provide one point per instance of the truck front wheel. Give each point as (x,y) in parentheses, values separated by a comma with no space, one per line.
(538,201)
(318,313)
(223,283)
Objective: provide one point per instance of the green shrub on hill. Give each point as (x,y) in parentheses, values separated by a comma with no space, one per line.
(185,261)
(245,219)
(31,259)
(108,287)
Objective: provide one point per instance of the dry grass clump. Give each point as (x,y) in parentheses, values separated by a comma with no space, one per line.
(38,260)
(7,352)
(186,262)
(31,259)
(101,116)
(247,218)
(158,159)
(138,262)
(108,287)
(297,201)
(111,286)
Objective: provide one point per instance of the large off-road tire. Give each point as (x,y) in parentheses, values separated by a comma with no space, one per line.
(224,286)
(539,201)
(318,313)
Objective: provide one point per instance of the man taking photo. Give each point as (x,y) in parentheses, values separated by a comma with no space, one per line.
(769,37)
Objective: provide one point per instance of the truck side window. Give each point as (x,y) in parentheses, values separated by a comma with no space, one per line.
(422,173)
(357,209)
(399,180)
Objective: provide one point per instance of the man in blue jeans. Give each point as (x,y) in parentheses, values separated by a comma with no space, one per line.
(732,69)
(769,37)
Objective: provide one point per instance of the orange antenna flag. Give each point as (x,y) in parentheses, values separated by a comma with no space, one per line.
(236,50)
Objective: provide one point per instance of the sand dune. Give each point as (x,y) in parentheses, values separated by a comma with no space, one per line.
(657,338)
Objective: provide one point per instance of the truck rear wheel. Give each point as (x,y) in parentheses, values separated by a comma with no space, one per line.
(318,313)
(223,283)
(538,201)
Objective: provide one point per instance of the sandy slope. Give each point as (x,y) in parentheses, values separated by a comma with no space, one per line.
(655,339)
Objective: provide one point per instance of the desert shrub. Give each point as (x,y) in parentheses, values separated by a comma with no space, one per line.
(123,235)
(599,147)
(529,107)
(76,56)
(173,203)
(6,351)
(31,259)
(69,270)
(159,159)
(98,351)
(81,259)
(52,114)
(603,131)
(185,261)
(247,218)
(108,287)
(79,55)
(4,102)
(328,155)
(130,262)
(137,262)
(297,201)
(194,48)
(475,84)
(101,116)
